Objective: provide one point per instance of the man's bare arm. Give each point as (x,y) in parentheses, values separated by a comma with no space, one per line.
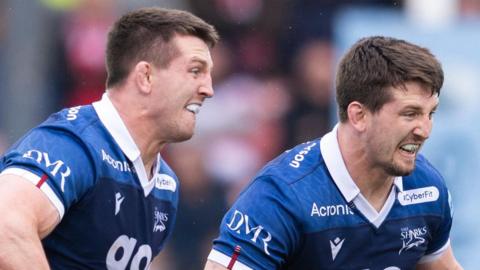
(210,265)
(27,217)
(446,261)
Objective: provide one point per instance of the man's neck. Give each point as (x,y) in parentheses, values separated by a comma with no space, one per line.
(375,188)
(374,183)
(139,128)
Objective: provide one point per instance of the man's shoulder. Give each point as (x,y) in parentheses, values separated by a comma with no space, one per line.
(75,119)
(79,124)
(424,184)
(425,174)
(66,135)
(296,164)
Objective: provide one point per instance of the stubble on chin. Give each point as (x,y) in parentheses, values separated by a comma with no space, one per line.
(181,133)
(181,137)
(396,170)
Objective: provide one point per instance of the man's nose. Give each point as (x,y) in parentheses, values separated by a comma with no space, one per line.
(206,89)
(423,128)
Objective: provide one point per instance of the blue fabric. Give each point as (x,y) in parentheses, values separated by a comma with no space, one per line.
(293,216)
(107,215)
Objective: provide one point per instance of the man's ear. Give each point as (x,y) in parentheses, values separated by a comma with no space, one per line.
(143,76)
(357,115)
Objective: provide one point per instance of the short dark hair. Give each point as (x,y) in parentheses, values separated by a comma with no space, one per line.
(374,64)
(141,34)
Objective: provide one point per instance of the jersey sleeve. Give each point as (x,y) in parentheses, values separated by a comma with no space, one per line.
(54,160)
(441,236)
(260,230)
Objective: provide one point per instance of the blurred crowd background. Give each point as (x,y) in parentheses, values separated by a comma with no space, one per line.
(273,81)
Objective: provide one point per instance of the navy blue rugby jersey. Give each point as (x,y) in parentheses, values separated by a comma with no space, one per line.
(87,164)
(304,211)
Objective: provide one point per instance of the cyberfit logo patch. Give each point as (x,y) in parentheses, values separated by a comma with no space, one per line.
(165,182)
(412,238)
(159,220)
(242,225)
(297,160)
(55,167)
(419,195)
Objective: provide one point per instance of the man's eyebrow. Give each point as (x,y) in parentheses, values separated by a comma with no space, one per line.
(418,107)
(198,59)
(201,61)
(413,107)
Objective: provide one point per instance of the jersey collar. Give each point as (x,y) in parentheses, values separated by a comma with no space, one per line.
(336,166)
(112,121)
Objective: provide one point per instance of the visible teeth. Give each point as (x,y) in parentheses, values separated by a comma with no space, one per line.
(194,108)
(412,148)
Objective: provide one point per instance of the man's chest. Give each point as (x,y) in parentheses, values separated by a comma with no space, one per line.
(351,242)
(114,225)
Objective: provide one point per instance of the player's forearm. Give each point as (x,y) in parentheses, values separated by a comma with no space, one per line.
(27,217)
(213,266)
(19,257)
(446,261)
(452,266)
(20,245)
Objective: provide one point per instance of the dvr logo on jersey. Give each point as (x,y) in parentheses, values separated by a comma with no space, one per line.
(419,195)
(412,237)
(56,167)
(240,223)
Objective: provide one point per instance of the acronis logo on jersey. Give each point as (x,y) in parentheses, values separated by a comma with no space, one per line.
(330,210)
(122,166)
(300,156)
(55,167)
